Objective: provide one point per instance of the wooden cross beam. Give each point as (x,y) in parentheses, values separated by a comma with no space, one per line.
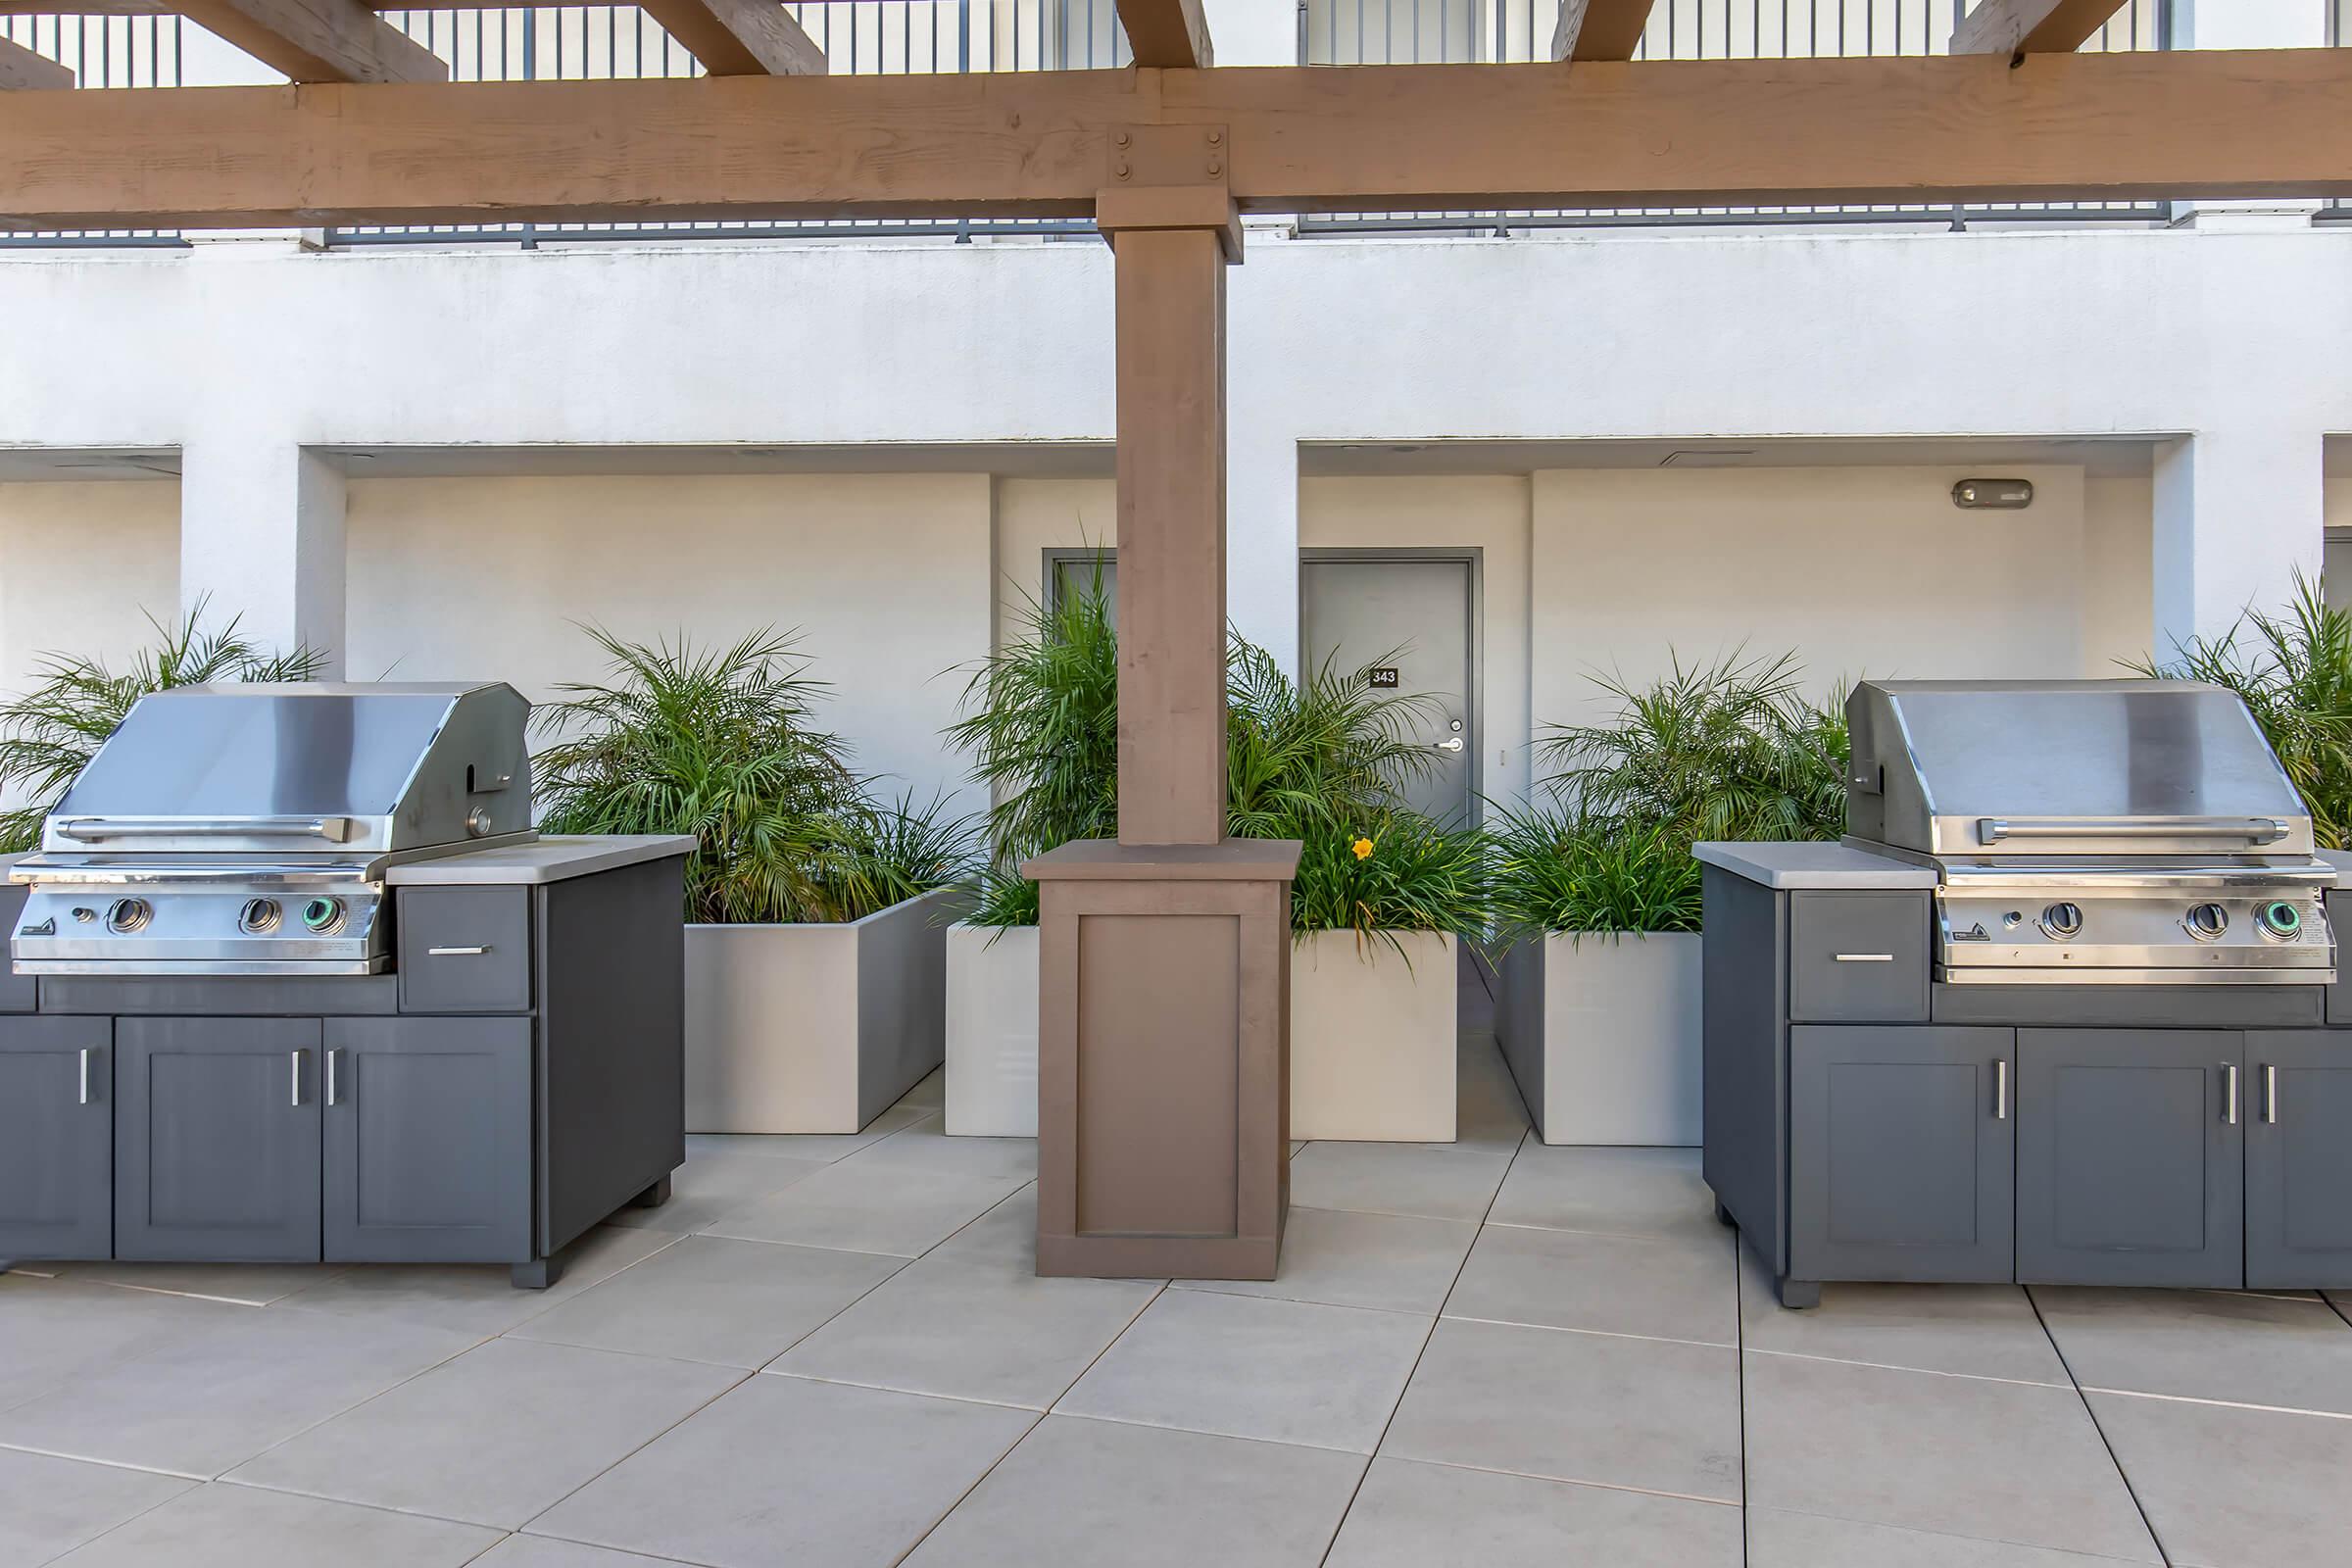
(2016,28)
(1599,29)
(1167,32)
(739,38)
(318,40)
(20,67)
(2191,124)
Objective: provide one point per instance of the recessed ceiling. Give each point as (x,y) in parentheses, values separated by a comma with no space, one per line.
(1016,458)
(52,464)
(2100,456)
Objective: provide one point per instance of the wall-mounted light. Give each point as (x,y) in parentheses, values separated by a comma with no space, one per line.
(1993,495)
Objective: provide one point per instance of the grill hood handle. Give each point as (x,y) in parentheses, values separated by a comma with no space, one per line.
(2235,829)
(98,829)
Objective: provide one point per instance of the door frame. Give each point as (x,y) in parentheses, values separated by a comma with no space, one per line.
(1474,700)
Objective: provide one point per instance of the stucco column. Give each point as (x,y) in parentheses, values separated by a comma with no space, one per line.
(2237,513)
(1262,539)
(261,538)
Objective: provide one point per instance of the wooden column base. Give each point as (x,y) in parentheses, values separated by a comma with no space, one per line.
(1163,1058)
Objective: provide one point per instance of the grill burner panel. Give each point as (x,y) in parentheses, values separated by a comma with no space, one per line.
(2092,832)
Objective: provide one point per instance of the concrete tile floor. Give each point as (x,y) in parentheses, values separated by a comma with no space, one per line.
(1497,1353)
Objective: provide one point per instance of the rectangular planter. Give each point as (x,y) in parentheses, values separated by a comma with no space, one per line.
(1602,1029)
(992,1031)
(813,1028)
(1372,1038)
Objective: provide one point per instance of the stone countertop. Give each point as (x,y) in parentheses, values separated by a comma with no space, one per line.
(549,860)
(1814,865)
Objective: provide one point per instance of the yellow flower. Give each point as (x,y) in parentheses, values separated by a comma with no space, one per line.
(1362,848)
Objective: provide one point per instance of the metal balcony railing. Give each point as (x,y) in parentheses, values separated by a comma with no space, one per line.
(1375,32)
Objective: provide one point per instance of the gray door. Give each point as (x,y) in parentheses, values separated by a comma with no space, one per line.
(57,1139)
(1902,1154)
(1408,620)
(428,1139)
(2131,1155)
(217,1138)
(2299,1120)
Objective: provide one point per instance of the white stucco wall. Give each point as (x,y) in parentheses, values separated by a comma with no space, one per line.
(82,564)
(884,577)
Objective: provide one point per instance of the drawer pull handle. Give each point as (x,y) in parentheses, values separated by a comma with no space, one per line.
(2000,1088)
(294,1079)
(1865,958)
(474,952)
(2230,1093)
(2270,1094)
(86,1075)
(331,1074)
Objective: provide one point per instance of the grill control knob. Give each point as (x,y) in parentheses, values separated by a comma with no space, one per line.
(125,915)
(259,917)
(2063,920)
(322,915)
(2280,921)
(2207,921)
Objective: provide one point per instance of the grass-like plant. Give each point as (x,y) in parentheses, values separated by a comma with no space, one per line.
(1731,750)
(1326,747)
(1556,869)
(48,734)
(2294,669)
(721,742)
(1392,874)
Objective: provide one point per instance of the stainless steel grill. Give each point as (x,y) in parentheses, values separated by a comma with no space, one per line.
(245,830)
(2121,832)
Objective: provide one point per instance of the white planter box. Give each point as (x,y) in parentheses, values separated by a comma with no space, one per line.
(992,1031)
(812,1028)
(1603,1035)
(1372,1038)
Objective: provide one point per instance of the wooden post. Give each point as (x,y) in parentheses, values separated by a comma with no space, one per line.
(1163,1020)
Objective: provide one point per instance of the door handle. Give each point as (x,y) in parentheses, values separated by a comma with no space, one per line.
(1452,743)
(331,1054)
(86,1075)
(2270,1094)
(2230,1093)
(2000,1088)
(294,1078)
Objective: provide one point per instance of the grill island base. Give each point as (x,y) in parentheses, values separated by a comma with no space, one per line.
(516,1078)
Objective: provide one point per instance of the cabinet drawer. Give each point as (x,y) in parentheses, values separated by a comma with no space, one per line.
(1858,958)
(465,949)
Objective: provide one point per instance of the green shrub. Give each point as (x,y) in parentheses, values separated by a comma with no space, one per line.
(2296,680)
(48,734)
(719,742)
(1396,872)
(1557,870)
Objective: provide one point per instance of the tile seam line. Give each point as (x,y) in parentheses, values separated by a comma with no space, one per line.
(1357,1491)
(2220,1404)
(1599,1334)
(339,1502)
(2088,1410)
(2088,1557)
(1582,1481)
(110,1464)
(1923,1371)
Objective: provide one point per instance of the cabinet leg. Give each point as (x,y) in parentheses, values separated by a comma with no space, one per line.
(1799,1295)
(653,1196)
(537,1275)
(1722,1215)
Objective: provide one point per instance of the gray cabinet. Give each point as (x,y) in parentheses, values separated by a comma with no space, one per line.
(57,1143)
(2130,1157)
(2297,1118)
(1902,1154)
(217,1138)
(428,1139)
(465,949)
(1858,958)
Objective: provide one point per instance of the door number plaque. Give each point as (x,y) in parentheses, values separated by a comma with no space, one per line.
(1380,676)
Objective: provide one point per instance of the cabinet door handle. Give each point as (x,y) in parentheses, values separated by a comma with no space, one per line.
(474,951)
(331,1054)
(1865,958)
(294,1078)
(86,1075)
(2230,1093)
(2270,1094)
(2000,1088)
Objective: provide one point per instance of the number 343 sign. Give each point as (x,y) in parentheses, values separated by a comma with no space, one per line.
(1380,676)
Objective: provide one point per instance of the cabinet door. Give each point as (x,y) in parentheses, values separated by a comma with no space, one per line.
(57,1139)
(1900,1153)
(2131,1157)
(217,1138)
(428,1139)
(2299,1159)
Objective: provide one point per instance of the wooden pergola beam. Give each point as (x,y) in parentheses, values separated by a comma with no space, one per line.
(2190,124)
(318,40)
(1171,33)
(2015,28)
(1599,29)
(739,38)
(22,69)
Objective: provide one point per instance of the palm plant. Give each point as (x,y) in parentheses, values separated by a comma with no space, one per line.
(1725,750)
(1558,869)
(49,733)
(2296,680)
(721,742)
(1325,747)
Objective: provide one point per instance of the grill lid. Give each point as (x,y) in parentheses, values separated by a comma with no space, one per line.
(2014,769)
(302,768)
